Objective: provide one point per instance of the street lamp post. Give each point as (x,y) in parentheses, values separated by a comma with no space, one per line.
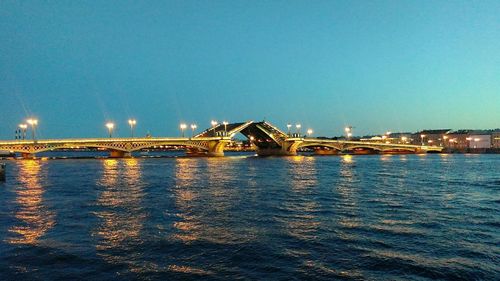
(23,128)
(132,123)
(443,143)
(298,126)
(348,131)
(33,123)
(422,136)
(225,123)
(110,126)
(193,127)
(288,126)
(214,125)
(309,132)
(183,127)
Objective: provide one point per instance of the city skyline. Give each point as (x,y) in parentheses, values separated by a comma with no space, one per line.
(375,66)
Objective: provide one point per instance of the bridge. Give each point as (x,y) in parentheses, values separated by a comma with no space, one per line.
(268,140)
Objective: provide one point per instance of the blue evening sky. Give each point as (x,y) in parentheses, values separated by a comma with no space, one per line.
(375,65)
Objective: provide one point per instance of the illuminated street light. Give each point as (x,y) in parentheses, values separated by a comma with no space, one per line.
(288,126)
(132,123)
(298,126)
(422,136)
(110,127)
(444,140)
(23,130)
(348,131)
(33,123)
(183,127)
(193,127)
(309,132)
(214,124)
(225,123)
(403,139)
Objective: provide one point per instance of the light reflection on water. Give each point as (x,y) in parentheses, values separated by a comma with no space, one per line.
(186,191)
(300,209)
(321,218)
(120,212)
(34,219)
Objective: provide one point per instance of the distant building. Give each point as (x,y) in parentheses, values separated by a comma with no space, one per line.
(400,138)
(458,139)
(480,139)
(430,137)
(495,139)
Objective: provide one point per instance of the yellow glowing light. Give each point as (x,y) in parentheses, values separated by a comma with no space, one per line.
(32,122)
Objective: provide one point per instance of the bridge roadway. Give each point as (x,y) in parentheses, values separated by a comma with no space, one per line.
(268,140)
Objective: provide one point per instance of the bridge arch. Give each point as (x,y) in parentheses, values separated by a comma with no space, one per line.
(294,147)
(198,145)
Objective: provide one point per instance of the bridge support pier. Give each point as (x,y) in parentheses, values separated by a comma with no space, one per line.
(119,154)
(27,155)
(216,148)
(275,152)
(215,153)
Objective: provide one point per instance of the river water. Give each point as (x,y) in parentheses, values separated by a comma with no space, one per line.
(373,217)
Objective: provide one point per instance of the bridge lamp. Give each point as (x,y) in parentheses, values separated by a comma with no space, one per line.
(348,131)
(225,123)
(403,139)
(132,123)
(214,124)
(23,130)
(193,127)
(298,126)
(288,126)
(110,126)
(33,123)
(309,132)
(183,127)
